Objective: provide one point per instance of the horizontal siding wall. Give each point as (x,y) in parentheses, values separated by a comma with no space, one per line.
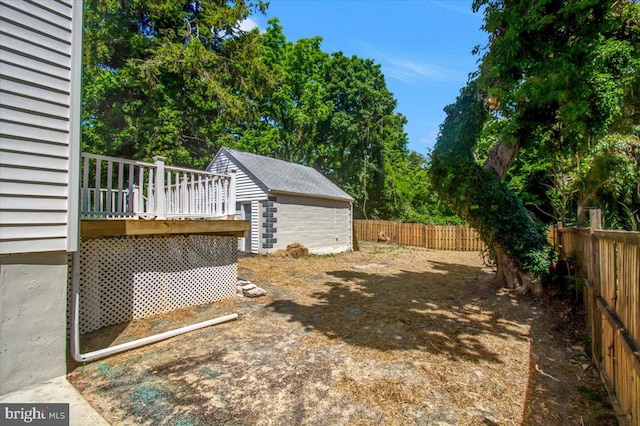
(256,214)
(323,226)
(35,98)
(246,188)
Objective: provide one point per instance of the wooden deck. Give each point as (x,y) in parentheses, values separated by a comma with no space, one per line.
(96,228)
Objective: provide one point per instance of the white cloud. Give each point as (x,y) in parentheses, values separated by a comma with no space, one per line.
(247,24)
(415,72)
(456,7)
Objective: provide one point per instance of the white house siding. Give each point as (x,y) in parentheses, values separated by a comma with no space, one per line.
(40,46)
(256,213)
(250,211)
(321,225)
(36,152)
(246,189)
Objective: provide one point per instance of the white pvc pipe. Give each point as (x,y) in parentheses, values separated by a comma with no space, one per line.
(91,356)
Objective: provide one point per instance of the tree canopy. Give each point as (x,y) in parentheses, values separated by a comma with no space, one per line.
(165,77)
(546,128)
(180,79)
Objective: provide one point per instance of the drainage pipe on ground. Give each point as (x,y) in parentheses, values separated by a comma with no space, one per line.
(101,353)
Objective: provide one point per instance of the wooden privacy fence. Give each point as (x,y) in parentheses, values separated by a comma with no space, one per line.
(461,238)
(609,262)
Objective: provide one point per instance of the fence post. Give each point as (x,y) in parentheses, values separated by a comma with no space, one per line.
(595,219)
(396,237)
(424,229)
(160,197)
(593,276)
(595,222)
(458,238)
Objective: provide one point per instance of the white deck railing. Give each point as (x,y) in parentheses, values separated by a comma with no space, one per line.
(117,188)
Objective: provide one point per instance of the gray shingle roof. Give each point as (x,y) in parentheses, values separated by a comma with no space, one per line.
(285,177)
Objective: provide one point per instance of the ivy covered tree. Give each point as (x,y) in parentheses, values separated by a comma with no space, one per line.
(553,80)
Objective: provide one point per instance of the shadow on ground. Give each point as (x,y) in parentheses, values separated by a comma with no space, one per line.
(419,337)
(426,311)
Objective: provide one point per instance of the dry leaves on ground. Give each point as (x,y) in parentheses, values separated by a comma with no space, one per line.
(386,335)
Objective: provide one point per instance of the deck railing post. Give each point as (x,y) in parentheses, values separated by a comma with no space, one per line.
(135,194)
(160,197)
(135,189)
(231,201)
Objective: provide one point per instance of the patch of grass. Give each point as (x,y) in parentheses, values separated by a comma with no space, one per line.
(108,371)
(187,421)
(149,402)
(208,373)
(149,394)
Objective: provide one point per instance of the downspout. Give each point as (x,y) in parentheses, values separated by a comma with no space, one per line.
(101,353)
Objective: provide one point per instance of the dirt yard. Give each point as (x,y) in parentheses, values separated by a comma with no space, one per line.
(387,335)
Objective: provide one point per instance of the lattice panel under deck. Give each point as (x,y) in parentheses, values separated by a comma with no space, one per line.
(124,278)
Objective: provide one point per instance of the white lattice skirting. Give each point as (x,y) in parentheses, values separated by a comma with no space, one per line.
(124,278)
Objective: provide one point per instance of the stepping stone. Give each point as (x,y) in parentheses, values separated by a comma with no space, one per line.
(255,292)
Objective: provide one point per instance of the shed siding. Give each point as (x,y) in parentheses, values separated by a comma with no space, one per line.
(36,84)
(256,214)
(321,225)
(246,188)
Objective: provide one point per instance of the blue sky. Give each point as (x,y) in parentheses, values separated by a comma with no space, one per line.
(424,47)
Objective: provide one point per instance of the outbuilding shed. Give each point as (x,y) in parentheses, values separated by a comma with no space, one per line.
(285,203)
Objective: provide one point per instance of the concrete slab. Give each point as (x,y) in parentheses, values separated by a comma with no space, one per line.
(59,390)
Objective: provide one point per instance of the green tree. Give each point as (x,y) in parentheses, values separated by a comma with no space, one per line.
(331,112)
(411,193)
(166,77)
(362,134)
(288,112)
(552,79)
(179,79)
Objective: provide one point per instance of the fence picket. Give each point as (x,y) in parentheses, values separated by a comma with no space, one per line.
(609,262)
(461,238)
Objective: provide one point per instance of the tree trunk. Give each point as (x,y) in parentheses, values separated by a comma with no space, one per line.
(582,212)
(480,195)
(508,274)
(500,158)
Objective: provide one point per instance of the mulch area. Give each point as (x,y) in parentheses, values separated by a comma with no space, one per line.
(386,335)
